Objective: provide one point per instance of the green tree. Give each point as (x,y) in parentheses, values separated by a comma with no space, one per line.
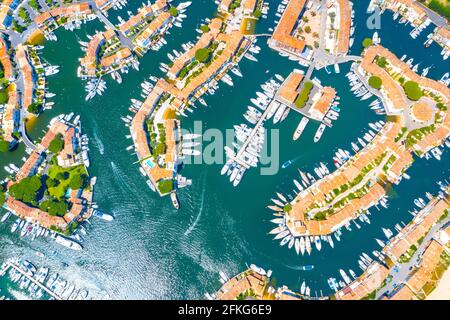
(257,14)
(61,176)
(77,181)
(27,189)
(3,96)
(54,207)
(367,42)
(412,90)
(173,11)
(165,186)
(35,108)
(51,183)
(375,82)
(204,28)
(202,55)
(4,145)
(2,198)
(57,144)
(382,62)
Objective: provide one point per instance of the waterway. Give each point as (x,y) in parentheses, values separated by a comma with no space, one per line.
(152,251)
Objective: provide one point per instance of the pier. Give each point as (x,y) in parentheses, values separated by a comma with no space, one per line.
(10,264)
(254,131)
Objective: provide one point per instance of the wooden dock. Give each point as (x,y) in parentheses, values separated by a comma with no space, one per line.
(10,264)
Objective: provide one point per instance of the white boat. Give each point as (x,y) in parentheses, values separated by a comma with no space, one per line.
(68,243)
(319,132)
(237,72)
(15,226)
(282,234)
(5,217)
(258,270)
(190,152)
(278,229)
(279,114)
(302,245)
(308,245)
(102,215)
(303,288)
(345,276)
(318,243)
(330,241)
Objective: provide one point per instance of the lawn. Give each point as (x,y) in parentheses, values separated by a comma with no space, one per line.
(60,190)
(304,95)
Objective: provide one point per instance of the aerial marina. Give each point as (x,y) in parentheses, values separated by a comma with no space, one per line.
(283,133)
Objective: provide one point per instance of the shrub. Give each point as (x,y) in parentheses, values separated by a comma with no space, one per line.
(61,176)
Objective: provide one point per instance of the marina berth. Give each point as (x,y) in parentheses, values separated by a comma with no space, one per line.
(410,10)
(441,35)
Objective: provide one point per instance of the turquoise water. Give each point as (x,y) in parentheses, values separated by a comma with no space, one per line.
(153,251)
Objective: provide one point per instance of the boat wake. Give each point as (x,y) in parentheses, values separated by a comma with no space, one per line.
(98,142)
(119,176)
(191,227)
(299,268)
(290,162)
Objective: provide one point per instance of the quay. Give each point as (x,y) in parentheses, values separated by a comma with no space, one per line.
(10,264)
